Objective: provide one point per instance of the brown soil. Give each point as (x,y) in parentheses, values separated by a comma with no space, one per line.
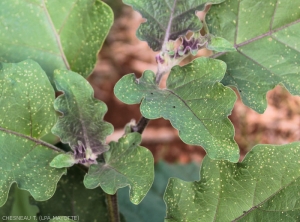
(123,53)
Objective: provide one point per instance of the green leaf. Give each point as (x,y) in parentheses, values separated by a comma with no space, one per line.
(264,187)
(57,34)
(194,101)
(153,208)
(266,35)
(26,114)
(6,209)
(220,45)
(167,20)
(18,205)
(63,160)
(126,163)
(81,125)
(73,200)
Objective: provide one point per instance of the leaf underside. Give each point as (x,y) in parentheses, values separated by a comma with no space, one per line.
(26,114)
(264,187)
(167,20)
(81,125)
(266,35)
(56,34)
(126,163)
(194,101)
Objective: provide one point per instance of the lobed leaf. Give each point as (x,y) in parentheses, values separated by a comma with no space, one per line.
(194,101)
(18,205)
(126,163)
(167,20)
(153,208)
(81,125)
(266,36)
(26,114)
(57,34)
(73,200)
(263,187)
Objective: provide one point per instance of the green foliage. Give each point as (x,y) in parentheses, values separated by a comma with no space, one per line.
(55,33)
(18,206)
(261,188)
(219,44)
(153,208)
(167,20)
(266,36)
(81,125)
(194,101)
(126,163)
(258,40)
(74,200)
(26,114)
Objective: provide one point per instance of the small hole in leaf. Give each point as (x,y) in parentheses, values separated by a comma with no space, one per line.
(174,107)
(240,90)
(152,93)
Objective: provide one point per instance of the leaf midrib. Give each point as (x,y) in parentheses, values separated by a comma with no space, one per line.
(269,33)
(268,198)
(37,141)
(57,38)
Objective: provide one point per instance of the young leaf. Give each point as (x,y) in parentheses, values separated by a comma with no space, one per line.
(55,33)
(266,36)
(194,101)
(153,208)
(26,114)
(126,163)
(63,160)
(219,44)
(167,20)
(259,187)
(73,200)
(81,125)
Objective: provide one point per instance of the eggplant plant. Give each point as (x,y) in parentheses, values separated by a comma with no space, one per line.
(55,162)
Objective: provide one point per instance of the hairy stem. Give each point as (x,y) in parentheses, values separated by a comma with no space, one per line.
(112,204)
(141,125)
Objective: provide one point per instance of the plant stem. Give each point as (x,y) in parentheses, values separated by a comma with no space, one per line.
(112,204)
(141,125)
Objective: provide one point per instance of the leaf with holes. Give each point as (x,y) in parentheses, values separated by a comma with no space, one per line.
(55,33)
(167,20)
(126,163)
(260,188)
(195,102)
(81,125)
(74,200)
(26,114)
(266,35)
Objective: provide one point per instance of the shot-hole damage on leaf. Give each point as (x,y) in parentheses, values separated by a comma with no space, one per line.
(81,125)
(56,34)
(126,164)
(251,190)
(266,37)
(194,101)
(26,115)
(167,20)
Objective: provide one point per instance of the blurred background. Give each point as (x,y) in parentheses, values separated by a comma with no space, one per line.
(123,53)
